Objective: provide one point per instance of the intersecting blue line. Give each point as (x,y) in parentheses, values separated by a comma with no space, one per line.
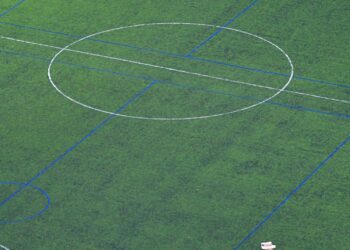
(270,72)
(93,131)
(139,94)
(270,102)
(12,8)
(292,193)
(42,191)
(218,31)
(194,58)
(180,85)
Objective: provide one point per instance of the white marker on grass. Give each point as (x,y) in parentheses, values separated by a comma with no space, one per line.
(267,246)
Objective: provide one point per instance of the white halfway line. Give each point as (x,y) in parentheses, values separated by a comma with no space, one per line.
(176,70)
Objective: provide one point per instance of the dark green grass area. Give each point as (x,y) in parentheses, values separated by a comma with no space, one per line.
(199,184)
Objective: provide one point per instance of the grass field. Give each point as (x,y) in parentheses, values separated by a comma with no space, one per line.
(149,162)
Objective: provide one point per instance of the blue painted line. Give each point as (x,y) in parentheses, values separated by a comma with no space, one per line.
(293,192)
(69,150)
(178,85)
(131,46)
(26,27)
(293,107)
(26,218)
(271,72)
(219,30)
(12,8)
(316,81)
(322,82)
(44,59)
(93,131)
(301,108)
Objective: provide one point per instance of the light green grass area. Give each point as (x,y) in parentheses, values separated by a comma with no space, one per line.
(194,184)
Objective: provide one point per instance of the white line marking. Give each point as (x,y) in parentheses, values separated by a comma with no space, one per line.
(140,63)
(177,70)
(28,42)
(174,118)
(3,247)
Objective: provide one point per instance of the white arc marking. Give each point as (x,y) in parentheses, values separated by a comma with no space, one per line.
(182,71)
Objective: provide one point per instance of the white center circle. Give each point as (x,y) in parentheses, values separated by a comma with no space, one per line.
(67,48)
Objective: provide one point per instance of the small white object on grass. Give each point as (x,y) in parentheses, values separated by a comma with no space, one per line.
(267,246)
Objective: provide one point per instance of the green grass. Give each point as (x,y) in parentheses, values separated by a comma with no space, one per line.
(199,184)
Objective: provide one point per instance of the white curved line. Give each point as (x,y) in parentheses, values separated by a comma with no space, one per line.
(169,118)
(175,70)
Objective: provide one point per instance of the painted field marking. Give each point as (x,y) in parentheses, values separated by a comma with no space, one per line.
(278,91)
(3,247)
(219,30)
(12,8)
(151,65)
(175,84)
(70,149)
(193,58)
(30,217)
(292,193)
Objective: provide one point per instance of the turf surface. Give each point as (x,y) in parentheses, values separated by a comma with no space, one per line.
(198,184)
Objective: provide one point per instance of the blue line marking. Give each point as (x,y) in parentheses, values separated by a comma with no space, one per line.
(219,30)
(316,81)
(12,8)
(293,192)
(93,131)
(323,82)
(294,107)
(43,192)
(175,84)
(301,108)
(69,150)
(162,52)
(270,72)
